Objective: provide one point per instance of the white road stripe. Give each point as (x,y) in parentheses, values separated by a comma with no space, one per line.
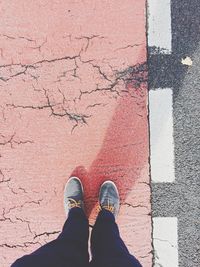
(161,135)
(159,26)
(165,241)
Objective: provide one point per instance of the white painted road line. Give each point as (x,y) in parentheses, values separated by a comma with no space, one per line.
(161,135)
(159,26)
(165,241)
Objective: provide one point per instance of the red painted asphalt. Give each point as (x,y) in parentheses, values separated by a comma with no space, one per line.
(73,100)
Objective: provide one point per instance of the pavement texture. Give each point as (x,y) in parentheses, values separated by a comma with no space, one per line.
(181,198)
(73,100)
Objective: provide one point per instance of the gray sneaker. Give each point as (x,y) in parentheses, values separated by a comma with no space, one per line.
(73,194)
(109,197)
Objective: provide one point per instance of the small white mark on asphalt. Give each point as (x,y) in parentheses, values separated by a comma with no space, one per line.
(159,26)
(161,135)
(165,241)
(187,61)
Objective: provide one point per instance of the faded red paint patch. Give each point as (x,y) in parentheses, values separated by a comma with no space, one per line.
(73,99)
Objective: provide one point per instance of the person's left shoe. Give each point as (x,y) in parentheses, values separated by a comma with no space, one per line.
(73,195)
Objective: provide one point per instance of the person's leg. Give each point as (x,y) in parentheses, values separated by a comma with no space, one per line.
(107,247)
(70,249)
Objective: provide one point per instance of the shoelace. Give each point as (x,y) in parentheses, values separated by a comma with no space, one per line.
(106,207)
(72,203)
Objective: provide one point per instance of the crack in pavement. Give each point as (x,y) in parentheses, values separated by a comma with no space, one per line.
(23,245)
(11,142)
(46,233)
(122,83)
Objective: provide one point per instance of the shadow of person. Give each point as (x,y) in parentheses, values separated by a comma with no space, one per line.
(123,157)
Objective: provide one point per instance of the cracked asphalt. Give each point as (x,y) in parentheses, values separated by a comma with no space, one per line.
(73,100)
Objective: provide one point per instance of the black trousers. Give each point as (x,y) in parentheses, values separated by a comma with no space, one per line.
(70,249)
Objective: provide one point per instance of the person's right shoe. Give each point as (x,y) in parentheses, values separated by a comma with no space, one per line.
(109,198)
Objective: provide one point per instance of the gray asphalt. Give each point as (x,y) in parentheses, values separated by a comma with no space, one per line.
(182,198)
